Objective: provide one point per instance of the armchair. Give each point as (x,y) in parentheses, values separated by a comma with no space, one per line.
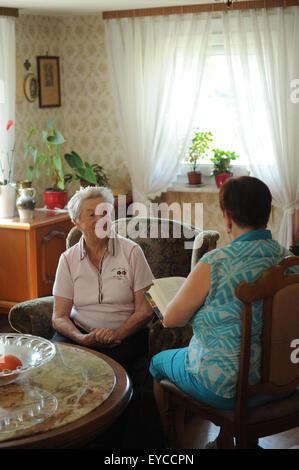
(165,255)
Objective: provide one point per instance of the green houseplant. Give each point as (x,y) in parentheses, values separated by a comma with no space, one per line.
(197,151)
(85,172)
(49,158)
(222,165)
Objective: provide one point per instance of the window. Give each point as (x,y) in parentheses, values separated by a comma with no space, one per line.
(217,112)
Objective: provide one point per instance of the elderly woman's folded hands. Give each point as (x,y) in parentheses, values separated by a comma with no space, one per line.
(101,337)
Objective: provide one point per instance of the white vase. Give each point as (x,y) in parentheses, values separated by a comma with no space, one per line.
(7,200)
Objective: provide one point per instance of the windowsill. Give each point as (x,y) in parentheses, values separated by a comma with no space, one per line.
(187,188)
(209,186)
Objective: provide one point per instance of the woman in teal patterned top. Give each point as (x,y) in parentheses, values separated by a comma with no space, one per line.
(207,369)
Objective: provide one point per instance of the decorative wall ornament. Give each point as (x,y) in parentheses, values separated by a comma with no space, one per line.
(49,81)
(31,87)
(27,64)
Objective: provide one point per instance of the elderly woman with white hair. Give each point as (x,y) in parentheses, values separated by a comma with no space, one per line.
(98,290)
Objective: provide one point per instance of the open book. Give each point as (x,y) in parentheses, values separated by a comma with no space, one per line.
(162,292)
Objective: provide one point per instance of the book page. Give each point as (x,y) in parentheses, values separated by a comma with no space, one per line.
(164,290)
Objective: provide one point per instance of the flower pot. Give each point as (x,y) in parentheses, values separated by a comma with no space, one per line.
(220,178)
(84,184)
(7,200)
(194,177)
(55,199)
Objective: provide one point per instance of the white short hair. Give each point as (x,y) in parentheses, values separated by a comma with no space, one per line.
(89,192)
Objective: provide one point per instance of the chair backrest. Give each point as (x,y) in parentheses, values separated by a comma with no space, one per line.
(167,244)
(280,294)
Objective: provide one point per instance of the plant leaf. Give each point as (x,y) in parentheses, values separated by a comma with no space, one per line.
(87,174)
(57,162)
(60,184)
(45,135)
(56,138)
(30,172)
(33,151)
(31,132)
(87,165)
(73,159)
(26,147)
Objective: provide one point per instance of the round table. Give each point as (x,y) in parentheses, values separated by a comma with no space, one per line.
(82,430)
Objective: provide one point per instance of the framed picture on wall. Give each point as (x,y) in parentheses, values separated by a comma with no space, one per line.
(49,81)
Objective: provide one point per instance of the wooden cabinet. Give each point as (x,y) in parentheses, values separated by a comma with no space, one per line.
(29,254)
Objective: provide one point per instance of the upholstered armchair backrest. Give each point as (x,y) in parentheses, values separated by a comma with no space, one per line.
(168,245)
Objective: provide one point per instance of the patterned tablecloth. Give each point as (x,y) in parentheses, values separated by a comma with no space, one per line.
(68,387)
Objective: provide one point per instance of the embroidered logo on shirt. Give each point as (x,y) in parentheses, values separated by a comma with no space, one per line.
(119,273)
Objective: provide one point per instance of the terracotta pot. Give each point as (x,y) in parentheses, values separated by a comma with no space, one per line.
(194,177)
(84,184)
(55,199)
(221,178)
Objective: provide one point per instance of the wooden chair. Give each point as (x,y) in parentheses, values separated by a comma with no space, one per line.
(279,368)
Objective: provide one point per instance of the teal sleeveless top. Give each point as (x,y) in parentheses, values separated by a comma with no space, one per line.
(214,350)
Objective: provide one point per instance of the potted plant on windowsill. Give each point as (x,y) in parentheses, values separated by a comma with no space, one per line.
(222,165)
(198,149)
(92,175)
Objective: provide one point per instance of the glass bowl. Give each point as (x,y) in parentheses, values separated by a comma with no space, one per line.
(32,351)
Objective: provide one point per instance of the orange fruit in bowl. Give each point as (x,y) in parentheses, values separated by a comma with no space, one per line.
(9,362)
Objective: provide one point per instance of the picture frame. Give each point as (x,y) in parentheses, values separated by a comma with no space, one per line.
(49,81)
(31,87)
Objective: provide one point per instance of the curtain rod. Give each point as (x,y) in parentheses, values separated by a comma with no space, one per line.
(236,5)
(9,12)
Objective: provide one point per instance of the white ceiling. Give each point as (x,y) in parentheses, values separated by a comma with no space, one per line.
(62,7)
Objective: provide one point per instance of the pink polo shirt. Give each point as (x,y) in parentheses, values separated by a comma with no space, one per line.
(103,297)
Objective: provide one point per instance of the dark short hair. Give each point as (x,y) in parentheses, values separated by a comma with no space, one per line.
(247,200)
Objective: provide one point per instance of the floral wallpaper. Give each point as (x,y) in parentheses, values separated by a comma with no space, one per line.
(87,116)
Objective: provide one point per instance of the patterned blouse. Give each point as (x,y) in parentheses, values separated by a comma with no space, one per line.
(214,350)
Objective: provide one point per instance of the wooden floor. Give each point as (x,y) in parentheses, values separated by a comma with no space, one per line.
(199,432)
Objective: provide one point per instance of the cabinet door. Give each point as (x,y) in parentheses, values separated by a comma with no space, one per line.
(50,242)
(13,266)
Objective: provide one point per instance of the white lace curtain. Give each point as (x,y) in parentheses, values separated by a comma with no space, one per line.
(262,51)
(7,85)
(148,57)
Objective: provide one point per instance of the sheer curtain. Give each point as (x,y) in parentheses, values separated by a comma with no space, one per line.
(262,51)
(149,60)
(7,85)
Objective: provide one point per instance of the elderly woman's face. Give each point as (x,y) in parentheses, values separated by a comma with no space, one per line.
(92,211)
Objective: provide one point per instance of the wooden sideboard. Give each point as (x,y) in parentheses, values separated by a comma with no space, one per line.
(29,254)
